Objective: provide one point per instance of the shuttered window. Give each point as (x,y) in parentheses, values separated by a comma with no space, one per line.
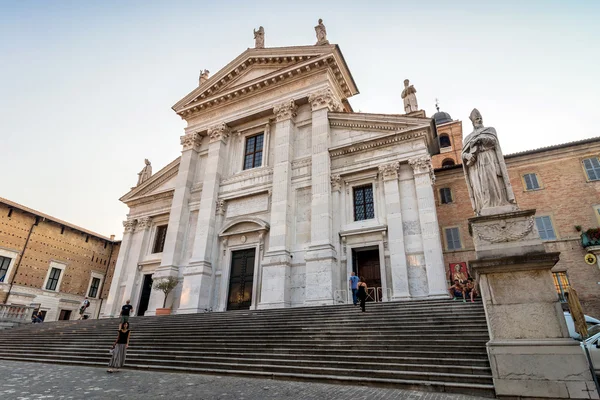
(592,168)
(531,182)
(544,225)
(452,239)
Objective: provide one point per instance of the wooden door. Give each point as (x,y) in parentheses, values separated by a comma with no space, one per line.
(241,279)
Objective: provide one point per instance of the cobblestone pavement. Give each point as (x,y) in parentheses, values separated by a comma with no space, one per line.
(24,381)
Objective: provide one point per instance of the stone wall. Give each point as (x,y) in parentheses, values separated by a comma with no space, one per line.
(82,253)
(565,196)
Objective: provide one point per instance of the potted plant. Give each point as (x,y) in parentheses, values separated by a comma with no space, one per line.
(165,285)
(591,237)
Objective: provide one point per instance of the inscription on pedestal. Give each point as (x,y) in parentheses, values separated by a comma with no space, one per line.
(247,205)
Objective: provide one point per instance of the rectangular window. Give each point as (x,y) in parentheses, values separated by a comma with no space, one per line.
(561,282)
(446,195)
(254,151)
(159,239)
(94,288)
(363,203)
(4,263)
(544,225)
(592,168)
(452,239)
(531,182)
(53,279)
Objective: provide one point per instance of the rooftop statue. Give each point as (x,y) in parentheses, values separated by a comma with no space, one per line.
(410,98)
(145,173)
(259,38)
(321,33)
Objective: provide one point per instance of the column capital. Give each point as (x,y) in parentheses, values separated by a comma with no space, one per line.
(336,183)
(389,171)
(143,223)
(129,225)
(219,132)
(285,110)
(422,165)
(221,207)
(191,140)
(325,99)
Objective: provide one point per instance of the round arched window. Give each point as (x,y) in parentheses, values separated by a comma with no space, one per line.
(448,162)
(445,141)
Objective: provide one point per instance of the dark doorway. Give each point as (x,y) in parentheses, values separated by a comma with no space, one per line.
(366,264)
(64,315)
(241,279)
(145,296)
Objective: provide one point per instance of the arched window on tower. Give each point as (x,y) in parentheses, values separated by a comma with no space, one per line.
(448,162)
(445,141)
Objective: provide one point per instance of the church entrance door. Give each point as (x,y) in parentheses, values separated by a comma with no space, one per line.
(241,279)
(145,297)
(366,264)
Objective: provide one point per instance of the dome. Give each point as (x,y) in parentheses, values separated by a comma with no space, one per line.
(441,117)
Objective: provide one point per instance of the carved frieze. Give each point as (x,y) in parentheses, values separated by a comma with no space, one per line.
(284,111)
(219,132)
(389,171)
(191,141)
(129,225)
(336,183)
(503,231)
(422,165)
(325,99)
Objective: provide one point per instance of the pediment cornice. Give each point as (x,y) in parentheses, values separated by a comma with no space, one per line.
(288,63)
(155,181)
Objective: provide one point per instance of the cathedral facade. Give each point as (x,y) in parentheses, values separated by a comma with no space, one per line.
(280,192)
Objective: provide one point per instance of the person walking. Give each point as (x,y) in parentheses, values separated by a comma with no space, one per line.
(362,293)
(126,311)
(119,348)
(84,305)
(354,287)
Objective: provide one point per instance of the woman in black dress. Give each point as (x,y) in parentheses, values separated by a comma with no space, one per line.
(120,348)
(362,293)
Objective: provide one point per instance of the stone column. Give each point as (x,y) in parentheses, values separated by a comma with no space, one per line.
(276,274)
(111,307)
(136,254)
(395,235)
(530,351)
(321,256)
(339,272)
(430,231)
(198,275)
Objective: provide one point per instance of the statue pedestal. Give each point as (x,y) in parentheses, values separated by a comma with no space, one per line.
(531,354)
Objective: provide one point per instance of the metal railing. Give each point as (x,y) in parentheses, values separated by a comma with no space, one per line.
(16,313)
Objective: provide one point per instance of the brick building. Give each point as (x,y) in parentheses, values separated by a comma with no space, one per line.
(552,180)
(52,263)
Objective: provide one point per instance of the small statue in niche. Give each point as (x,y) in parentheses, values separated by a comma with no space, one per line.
(259,38)
(145,173)
(321,33)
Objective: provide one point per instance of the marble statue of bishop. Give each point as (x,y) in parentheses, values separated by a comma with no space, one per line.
(485,170)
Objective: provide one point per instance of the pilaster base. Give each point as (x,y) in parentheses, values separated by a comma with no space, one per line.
(196,291)
(540,368)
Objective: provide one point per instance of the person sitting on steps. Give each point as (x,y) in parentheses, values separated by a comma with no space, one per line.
(457,290)
(471,289)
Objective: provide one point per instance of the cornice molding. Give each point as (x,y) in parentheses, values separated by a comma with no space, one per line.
(302,162)
(253,173)
(167,194)
(396,137)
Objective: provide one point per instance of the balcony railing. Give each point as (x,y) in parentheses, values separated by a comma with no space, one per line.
(590,238)
(14,313)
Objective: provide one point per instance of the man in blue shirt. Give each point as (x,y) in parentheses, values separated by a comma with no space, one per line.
(354,287)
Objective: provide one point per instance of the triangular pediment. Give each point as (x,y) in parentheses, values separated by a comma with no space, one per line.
(161,182)
(256,69)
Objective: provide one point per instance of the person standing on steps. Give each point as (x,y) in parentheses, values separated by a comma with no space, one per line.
(354,287)
(126,311)
(119,348)
(362,293)
(84,305)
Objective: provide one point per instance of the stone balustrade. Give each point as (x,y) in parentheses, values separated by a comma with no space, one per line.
(16,313)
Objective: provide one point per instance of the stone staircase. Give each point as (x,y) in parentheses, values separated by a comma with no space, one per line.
(436,345)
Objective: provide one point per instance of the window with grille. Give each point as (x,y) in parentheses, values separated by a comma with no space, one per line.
(452,239)
(446,195)
(53,279)
(531,182)
(561,282)
(363,203)
(4,263)
(159,239)
(254,151)
(94,287)
(544,225)
(592,168)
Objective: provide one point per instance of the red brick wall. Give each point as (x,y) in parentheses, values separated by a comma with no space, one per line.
(565,195)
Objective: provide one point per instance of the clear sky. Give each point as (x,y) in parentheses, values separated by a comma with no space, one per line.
(86,87)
